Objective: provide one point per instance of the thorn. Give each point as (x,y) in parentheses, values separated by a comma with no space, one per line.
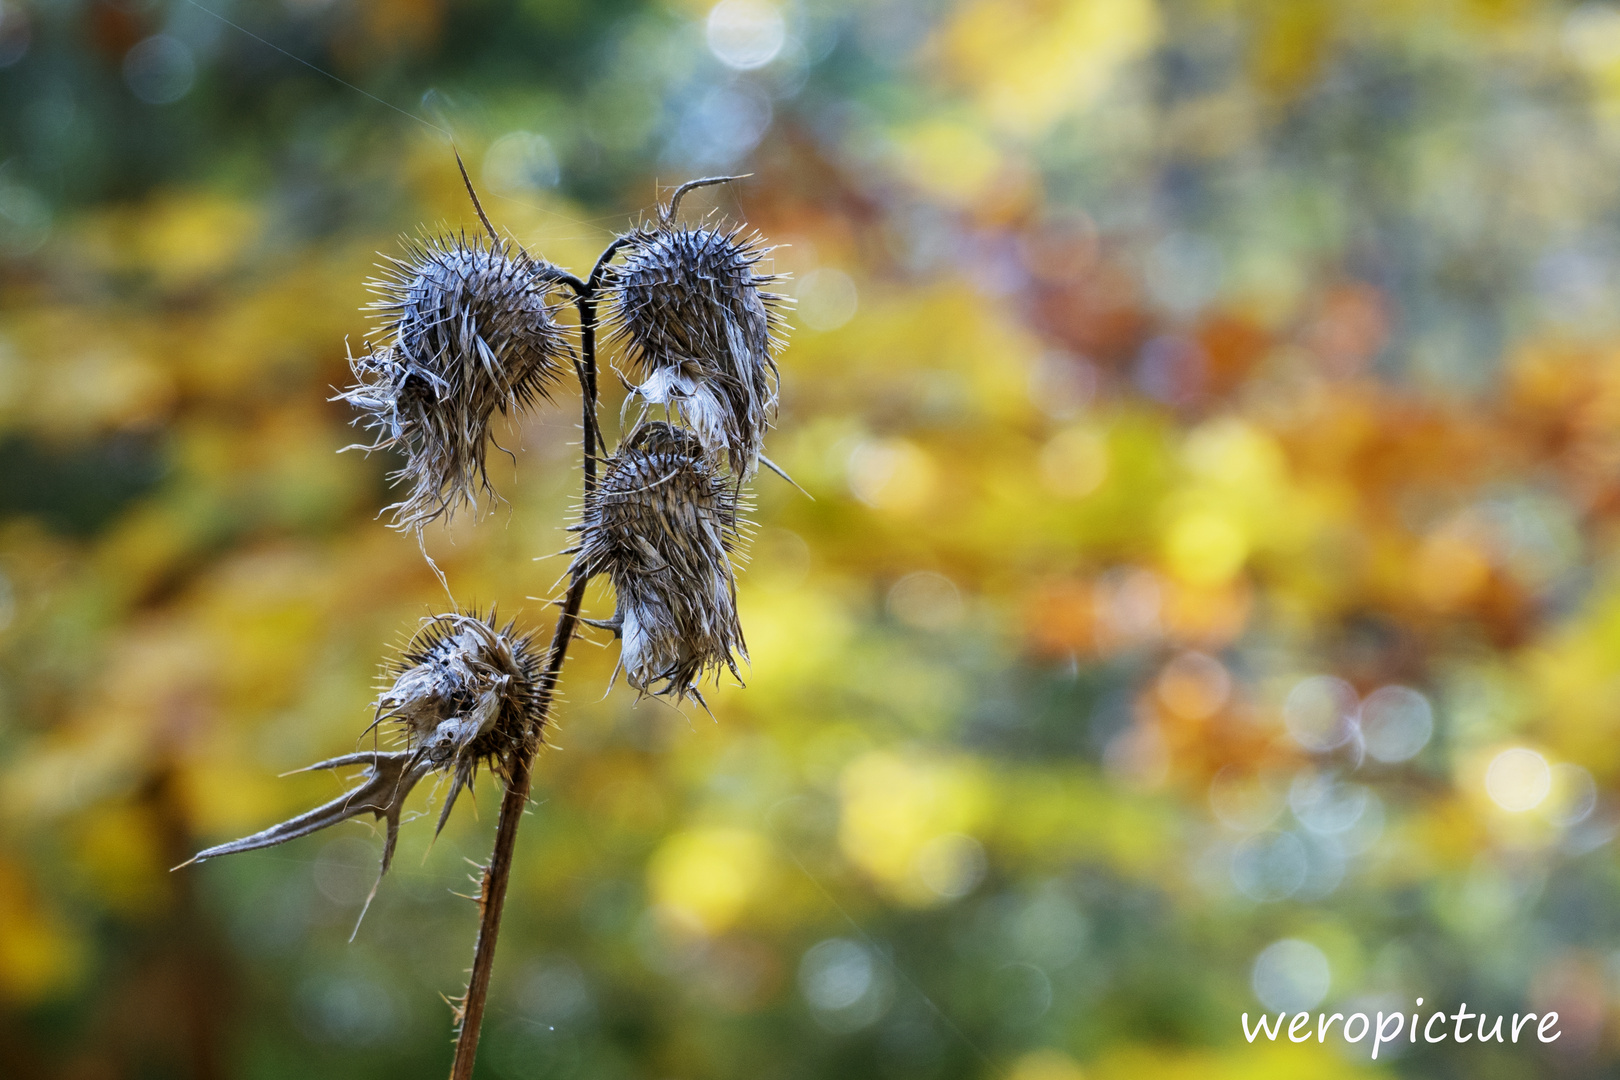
(777,469)
(493,236)
(372,895)
(458,1010)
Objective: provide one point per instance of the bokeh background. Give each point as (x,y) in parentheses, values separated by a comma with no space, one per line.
(1208,602)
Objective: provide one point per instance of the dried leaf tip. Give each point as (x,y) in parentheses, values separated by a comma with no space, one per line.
(466,329)
(388,779)
(464,693)
(664,525)
(382,790)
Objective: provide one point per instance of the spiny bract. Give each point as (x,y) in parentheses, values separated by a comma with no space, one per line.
(463,694)
(663,525)
(465,329)
(701,331)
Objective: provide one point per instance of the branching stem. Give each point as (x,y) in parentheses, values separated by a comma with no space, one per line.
(497,875)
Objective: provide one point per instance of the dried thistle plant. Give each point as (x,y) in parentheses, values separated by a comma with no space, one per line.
(663,525)
(465,330)
(702,331)
(468,330)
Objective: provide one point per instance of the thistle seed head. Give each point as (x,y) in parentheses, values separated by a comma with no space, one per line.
(664,525)
(701,331)
(464,330)
(465,694)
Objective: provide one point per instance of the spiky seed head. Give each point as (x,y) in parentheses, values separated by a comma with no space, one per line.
(664,526)
(701,331)
(465,693)
(465,330)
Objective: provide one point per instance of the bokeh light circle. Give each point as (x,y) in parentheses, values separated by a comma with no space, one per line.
(843,984)
(745,34)
(1518,779)
(951,866)
(1245,799)
(521,161)
(1320,712)
(1269,866)
(1573,796)
(1074,462)
(1326,805)
(891,474)
(825,299)
(160,70)
(25,220)
(1396,723)
(835,974)
(1291,975)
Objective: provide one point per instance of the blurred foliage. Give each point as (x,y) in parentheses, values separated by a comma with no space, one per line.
(1208,601)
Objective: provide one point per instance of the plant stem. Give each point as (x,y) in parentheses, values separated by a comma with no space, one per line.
(498,873)
(492,890)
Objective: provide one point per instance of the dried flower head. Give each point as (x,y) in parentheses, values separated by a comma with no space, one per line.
(463,694)
(465,330)
(663,525)
(701,330)
(466,694)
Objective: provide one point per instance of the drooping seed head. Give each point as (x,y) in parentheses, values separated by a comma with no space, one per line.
(664,525)
(701,331)
(464,331)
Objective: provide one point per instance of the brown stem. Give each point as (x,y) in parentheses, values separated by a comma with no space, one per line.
(492,890)
(674,207)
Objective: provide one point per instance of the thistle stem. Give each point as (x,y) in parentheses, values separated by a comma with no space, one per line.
(492,890)
(497,875)
(674,206)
